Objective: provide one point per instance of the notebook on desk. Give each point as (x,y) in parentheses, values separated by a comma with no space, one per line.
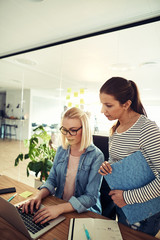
(21,222)
(97,229)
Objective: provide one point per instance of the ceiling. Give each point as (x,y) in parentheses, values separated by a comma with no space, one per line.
(28,25)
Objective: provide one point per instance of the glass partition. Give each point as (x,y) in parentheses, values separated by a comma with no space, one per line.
(25,105)
(13,122)
(40,85)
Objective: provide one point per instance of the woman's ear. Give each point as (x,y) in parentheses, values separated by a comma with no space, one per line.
(127,104)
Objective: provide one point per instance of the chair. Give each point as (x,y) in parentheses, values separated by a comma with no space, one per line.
(44,125)
(108,206)
(34,124)
(102,143)
(8,130)
(54,126)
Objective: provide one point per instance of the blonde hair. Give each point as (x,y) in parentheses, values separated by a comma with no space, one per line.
(86,139)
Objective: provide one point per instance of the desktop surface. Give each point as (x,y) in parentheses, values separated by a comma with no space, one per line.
(59,232)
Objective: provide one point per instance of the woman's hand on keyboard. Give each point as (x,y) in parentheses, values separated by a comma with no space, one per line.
(34,204)
(31,205)
(50,212)
(47,213)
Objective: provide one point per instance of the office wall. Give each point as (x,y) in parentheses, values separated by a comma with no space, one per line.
(2,101)
(13,98)
(45,110)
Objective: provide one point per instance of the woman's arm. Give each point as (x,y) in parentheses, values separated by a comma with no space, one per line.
(50,212)
(35,202)
(51,182)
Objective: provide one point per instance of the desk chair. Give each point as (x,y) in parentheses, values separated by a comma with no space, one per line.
(54,126)
(108,206)
(34,125)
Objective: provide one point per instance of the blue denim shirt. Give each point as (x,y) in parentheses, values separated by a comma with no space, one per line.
(87,182)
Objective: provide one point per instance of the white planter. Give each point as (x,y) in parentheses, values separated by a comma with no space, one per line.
(38,183)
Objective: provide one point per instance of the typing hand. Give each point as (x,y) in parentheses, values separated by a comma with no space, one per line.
(105,168)
(47,213)
(117,197)
(31,205)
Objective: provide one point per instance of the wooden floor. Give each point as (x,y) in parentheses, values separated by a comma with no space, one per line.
(9,150)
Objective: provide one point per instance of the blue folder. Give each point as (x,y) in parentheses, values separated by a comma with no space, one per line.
(130,173)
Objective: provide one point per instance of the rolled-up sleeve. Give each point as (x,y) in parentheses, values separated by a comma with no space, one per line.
(51,182)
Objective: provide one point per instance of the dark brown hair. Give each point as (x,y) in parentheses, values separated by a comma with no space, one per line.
(123,90)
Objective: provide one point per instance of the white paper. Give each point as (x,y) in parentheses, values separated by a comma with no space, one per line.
(99,229)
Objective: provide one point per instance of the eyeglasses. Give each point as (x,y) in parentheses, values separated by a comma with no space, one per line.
(72,132)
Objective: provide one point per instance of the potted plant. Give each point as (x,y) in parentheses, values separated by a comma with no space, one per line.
(41,153)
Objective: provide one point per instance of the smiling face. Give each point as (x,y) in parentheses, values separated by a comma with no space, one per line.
(73,124)
(111,108)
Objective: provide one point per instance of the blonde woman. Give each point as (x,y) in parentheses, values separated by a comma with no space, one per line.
(74,175)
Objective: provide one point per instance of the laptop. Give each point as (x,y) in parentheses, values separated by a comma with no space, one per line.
(12,215)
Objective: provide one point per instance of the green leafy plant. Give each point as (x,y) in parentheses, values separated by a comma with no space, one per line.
(40,153)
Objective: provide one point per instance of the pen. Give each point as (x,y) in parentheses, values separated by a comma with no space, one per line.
(12,197)
(87,233)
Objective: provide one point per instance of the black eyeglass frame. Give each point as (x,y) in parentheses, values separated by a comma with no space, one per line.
(68,131)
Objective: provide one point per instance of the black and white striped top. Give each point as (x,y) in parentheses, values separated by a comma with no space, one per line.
(144,135)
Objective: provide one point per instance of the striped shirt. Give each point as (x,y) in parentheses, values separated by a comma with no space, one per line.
(144,135)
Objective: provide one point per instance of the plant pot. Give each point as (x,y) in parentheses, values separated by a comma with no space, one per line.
(38,183)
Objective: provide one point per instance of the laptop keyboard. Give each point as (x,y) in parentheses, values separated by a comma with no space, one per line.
(28,221)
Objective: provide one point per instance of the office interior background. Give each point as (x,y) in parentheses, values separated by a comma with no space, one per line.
(59,53)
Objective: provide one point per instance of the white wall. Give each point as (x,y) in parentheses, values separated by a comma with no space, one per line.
(14,97)
(45,109)
(2,101)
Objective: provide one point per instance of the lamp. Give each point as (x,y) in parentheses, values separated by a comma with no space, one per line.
(18,105)
(8,105)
